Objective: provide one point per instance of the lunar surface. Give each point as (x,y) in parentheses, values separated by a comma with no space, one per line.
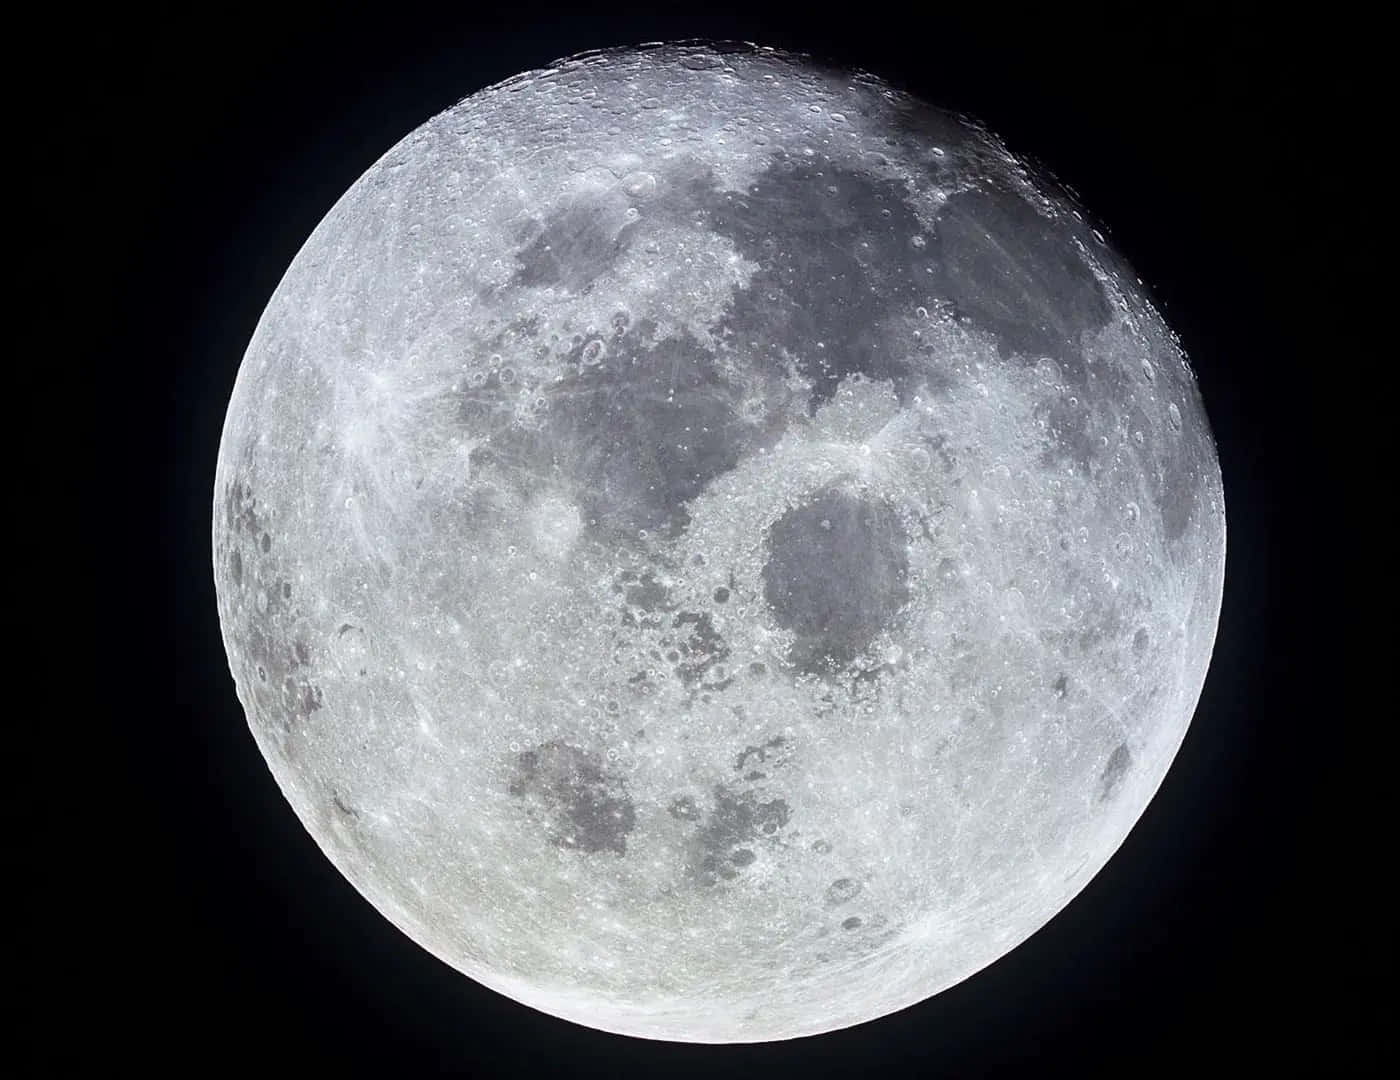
(712,548)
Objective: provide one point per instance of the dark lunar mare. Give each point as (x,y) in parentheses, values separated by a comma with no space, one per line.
(686,639)
(636,437)
(842,262)
(279,663)
(1114,770)
(1015,274)
(723,844)
(589,809)
(837,572)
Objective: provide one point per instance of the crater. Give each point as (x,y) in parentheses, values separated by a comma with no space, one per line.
(587,809)
(837,572)
(842,891)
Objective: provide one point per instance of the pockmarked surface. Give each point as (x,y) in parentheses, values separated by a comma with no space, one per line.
(713,548)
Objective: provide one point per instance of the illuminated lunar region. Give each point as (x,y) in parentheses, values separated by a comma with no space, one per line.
(714,549)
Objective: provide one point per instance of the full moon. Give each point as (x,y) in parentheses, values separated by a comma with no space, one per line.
(712,547)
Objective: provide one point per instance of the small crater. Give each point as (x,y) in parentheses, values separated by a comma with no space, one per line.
(1060,685)
(853,923)
(742,857)
(821,847)
(842,890)
(1140,640)
(266,544)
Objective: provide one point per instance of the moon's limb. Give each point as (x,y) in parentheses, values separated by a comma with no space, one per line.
(711,547)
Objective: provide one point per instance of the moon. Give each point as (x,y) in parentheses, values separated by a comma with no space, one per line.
(712,547)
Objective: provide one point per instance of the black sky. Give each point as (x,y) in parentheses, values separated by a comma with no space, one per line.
(206,927)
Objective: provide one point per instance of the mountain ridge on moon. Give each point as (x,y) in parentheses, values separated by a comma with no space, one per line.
(712,547)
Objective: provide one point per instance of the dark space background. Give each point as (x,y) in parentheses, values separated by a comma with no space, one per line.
(203,929)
